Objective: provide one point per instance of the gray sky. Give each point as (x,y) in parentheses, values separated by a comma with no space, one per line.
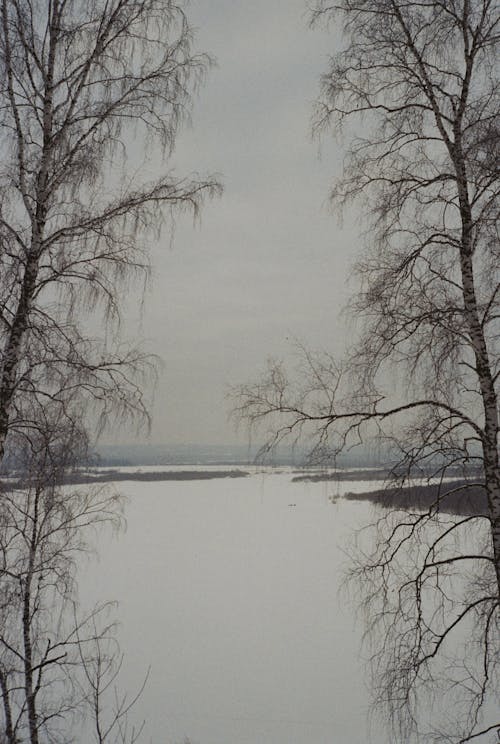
(268,262)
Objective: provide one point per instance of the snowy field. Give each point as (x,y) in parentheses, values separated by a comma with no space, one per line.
(230,591)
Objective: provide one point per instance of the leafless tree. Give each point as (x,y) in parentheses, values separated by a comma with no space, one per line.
(58,668)
(417,85)
(80,83)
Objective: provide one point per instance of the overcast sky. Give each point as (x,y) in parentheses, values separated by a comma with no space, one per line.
(268,262)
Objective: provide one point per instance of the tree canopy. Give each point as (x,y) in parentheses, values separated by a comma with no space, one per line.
(415,88)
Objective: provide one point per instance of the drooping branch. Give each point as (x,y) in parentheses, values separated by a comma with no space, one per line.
(414,92)
(77,81)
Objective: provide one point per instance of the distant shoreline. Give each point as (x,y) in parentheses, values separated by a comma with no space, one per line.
(89,478)
(370,474)
(462,497)
(459,496)
(110,476)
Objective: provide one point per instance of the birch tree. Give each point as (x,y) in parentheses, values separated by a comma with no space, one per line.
(80,83)
(416,87)
(59,664)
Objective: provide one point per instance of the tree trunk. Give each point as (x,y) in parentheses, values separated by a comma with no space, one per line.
(30,692)
(9,728)
(482,361)
(12,350)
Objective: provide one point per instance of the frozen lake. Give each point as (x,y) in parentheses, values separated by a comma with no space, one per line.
(229,590)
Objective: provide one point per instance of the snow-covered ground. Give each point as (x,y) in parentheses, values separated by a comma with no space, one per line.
(229,590)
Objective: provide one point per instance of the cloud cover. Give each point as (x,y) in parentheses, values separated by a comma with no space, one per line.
(268,262)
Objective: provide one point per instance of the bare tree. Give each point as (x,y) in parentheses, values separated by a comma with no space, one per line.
(417,83)
(58,669)
(80,83)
